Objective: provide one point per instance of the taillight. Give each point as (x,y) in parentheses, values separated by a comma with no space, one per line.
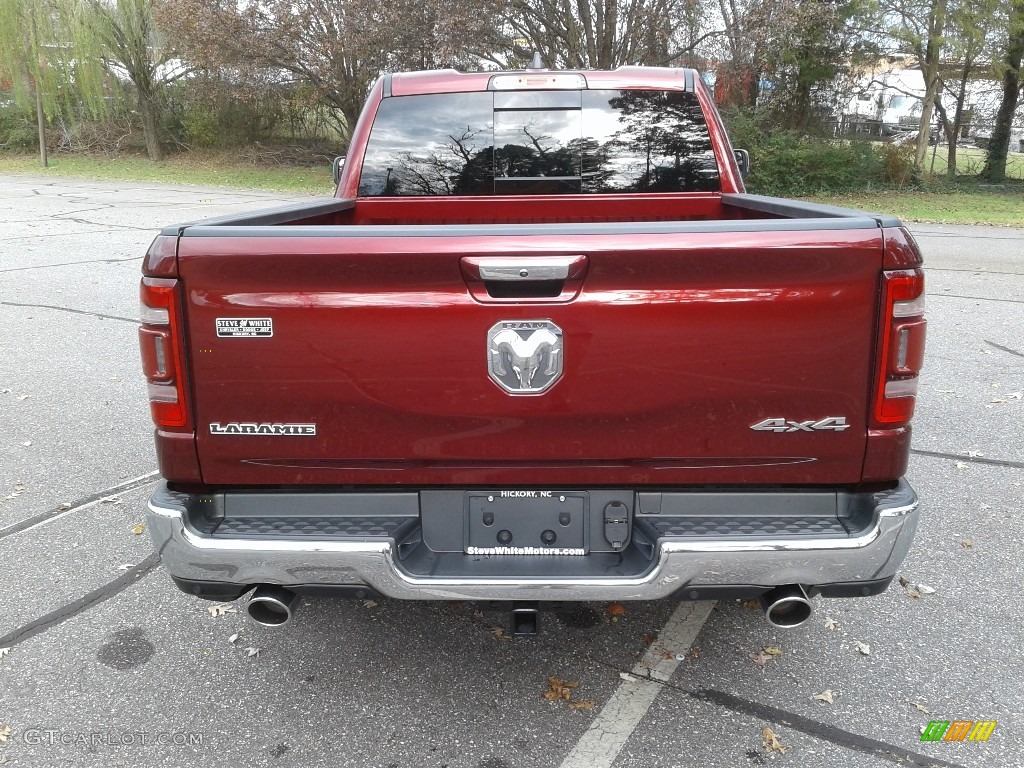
(900,347)
(163,359)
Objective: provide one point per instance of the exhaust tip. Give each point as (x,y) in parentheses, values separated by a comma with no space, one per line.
(271,606)
(787,606)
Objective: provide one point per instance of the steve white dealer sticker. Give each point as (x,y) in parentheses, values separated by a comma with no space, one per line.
(245,327)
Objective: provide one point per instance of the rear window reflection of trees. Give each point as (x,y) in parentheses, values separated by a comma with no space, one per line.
(586,141)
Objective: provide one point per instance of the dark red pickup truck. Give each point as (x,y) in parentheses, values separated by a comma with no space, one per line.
(540,348)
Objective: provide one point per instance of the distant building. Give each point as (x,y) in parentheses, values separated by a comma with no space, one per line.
(888,100)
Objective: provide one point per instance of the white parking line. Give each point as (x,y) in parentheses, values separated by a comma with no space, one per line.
(614,724)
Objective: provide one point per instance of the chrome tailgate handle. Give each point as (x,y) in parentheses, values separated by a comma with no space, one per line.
(522,268)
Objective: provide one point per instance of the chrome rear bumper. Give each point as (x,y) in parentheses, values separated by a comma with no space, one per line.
(678,564)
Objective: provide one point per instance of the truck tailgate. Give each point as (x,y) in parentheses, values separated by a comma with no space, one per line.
(341,355)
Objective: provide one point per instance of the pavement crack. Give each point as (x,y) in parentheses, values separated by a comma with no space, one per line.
(75,216)
(42,517)
(117,227)
(61,235)
(1001,348)
(73,263)
(73,311)
(815,729)
(82,604)
(972,271)
(965,235)
(970,459)
(974,298)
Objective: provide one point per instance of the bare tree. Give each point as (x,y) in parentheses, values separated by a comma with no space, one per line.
(600,34)
(130,45)
(967,42)
(995,161)
(336,46)
(920,28)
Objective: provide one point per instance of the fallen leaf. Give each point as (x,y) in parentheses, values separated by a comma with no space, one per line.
(966,543)
(582,704)
(831,623)
(138,529)
(995,400)
(772,651)
(912,592)
(649,639)
(920,707)
(24,397)
(975,454)
(753,605)
(615,609)
(771,741)
(250,652)
(904,582)
(499,633)
(864,648)
(18,490)
(825,697)
(5,732)
(559,690)
(478,614)
(924,589)
(760,658)
(369,603)
(5,652)
(668,655)
(110,500)
(961,465)
(691,654)
(220,609)
(63,505)
(234,638)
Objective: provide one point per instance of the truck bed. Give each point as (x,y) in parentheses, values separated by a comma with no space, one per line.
(723,209)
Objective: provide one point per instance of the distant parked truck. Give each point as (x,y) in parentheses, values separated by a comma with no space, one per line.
(541,347)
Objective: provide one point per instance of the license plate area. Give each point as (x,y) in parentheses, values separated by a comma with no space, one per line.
(527,523)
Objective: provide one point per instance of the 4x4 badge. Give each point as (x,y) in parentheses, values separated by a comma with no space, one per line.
(828,424)
(524,357)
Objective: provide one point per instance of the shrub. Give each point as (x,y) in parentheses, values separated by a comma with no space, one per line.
(898,163)
(790,164)
(201,128)
(17,129)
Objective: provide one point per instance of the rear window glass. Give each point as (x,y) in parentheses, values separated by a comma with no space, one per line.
(539,142)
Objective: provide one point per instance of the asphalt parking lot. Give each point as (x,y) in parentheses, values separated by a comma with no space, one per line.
(104,663)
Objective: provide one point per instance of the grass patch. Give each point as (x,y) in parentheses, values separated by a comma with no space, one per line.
(1002,207)
(215,169)
(970,161)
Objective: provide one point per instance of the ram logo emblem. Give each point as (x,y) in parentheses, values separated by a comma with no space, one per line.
(524,357)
